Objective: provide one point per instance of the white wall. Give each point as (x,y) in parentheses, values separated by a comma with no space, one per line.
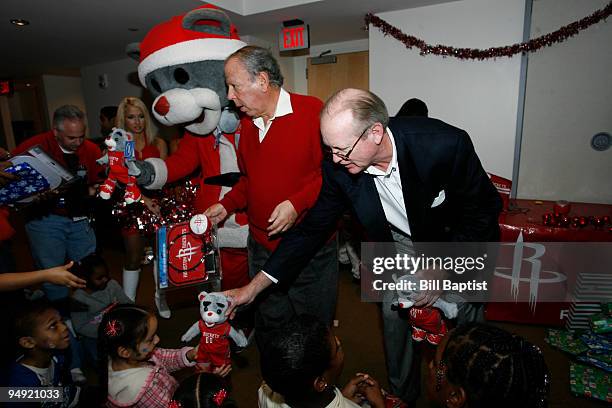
(480,97)
(568,100)
(62,90)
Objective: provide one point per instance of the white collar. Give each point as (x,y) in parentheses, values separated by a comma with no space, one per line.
(392,164)
(283,107)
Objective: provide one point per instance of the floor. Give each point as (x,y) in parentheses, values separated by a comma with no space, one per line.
(359,328)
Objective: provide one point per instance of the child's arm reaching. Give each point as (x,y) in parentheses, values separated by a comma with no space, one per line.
(175,359)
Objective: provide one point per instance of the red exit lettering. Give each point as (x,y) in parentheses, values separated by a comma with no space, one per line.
(293,37)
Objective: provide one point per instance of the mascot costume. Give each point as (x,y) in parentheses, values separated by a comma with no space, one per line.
(181,64)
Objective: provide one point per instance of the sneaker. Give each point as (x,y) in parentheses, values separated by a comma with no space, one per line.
(162,307)
(77,376)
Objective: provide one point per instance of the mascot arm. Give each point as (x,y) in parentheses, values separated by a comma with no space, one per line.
(184,160)
(193,331)
(103,160)
(238,337)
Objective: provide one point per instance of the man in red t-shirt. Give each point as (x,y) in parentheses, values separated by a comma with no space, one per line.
(279,155)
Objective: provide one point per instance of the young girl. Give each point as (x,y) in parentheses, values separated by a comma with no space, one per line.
(478,366)
(90,303)
(203,390)
(137,372)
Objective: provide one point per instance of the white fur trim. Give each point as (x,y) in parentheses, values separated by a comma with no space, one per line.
(125,386)
(161,173)
(202,49)
(234,236)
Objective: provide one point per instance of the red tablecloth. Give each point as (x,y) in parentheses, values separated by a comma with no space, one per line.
(526,218)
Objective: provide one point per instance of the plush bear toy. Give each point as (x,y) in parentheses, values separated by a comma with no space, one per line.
(214,348)
(119,158)
(427,322)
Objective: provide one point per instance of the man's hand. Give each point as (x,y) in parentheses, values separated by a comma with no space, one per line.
(222,371)
(216,213)
(282,218)
(427,298)
(246,294)
(60,275)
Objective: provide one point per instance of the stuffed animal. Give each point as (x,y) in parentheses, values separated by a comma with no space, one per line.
(181,63)
(214,348)
(119,158)
(427,322)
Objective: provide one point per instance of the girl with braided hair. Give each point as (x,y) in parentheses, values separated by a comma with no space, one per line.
(135,371)
(478,366)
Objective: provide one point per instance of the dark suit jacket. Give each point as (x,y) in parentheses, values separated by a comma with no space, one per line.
(432,156)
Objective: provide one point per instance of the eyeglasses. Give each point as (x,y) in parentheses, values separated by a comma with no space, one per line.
(345,156)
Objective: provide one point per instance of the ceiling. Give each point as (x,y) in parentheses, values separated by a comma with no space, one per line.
(65,35)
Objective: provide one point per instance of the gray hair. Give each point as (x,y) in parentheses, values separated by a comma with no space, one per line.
(64,112)
(258,59)
(366,107)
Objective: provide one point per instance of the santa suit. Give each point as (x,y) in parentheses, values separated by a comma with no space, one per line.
(203,153)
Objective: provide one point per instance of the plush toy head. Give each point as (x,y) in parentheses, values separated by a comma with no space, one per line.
(213,307)
(117,140)
(181,64)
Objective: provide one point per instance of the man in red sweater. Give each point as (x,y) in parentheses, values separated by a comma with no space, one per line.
(58,228)
(280,155)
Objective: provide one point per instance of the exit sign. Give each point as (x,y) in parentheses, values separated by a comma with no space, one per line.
(5,88)
(293,37)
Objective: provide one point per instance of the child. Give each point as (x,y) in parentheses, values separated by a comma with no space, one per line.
(204,390)
(42,335)
(479,366)
(137,373)
(302,363)
(89,303)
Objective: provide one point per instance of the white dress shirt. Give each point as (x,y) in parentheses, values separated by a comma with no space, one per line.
(389,186)
(283,107)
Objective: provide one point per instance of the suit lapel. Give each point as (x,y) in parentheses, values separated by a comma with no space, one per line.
(369,209)
(412,185)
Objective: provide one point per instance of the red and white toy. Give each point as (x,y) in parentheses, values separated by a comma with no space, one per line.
(119,158)
(427,322)
(214,348)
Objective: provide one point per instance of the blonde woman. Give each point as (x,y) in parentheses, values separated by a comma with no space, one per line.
(133,116)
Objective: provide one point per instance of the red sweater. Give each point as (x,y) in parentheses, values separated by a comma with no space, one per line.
(285,166)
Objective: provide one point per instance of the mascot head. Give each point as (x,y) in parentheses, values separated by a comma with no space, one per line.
(181,64)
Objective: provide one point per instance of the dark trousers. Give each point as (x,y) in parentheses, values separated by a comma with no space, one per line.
(314,291)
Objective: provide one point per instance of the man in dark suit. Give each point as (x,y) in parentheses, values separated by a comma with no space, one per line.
(406,180)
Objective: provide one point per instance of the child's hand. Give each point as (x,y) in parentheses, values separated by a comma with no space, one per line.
(223,370)
(351,390)
(370,389)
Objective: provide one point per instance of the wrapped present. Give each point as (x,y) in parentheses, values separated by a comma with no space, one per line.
(601,323)
(601,360)
(590,382)
(597,342)
(30,182)
(566,341)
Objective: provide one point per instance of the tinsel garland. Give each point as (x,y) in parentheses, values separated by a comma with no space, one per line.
(494,52)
